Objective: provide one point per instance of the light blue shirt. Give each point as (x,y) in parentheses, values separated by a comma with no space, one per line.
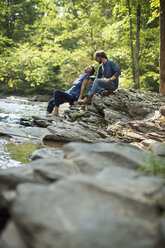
(76,88)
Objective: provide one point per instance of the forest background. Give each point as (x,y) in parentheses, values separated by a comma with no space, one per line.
(45,44)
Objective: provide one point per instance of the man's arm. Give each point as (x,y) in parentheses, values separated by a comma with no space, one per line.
(85,81)
(110,79)
(116,71)
(99,73)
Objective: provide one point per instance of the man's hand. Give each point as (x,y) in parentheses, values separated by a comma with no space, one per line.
(110,79)
(107,80)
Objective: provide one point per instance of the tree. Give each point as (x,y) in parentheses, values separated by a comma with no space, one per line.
(162,47)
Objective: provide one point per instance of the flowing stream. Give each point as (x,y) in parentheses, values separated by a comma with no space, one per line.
(24,137)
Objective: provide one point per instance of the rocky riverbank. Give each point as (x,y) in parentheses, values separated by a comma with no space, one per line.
(95,191)
(131,116)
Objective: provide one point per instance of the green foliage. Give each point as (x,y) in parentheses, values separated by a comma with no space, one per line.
(26,66)
(155,166)
(46,44)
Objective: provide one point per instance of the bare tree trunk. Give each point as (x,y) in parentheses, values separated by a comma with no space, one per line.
(131,41)
(162,47)
(137,47)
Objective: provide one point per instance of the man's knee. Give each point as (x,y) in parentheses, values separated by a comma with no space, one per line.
(97,81)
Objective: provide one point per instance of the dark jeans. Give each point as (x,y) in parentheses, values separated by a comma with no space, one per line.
(60,97)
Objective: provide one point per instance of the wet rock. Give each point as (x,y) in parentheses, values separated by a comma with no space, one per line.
(27,122)
(42,122)
(12,132)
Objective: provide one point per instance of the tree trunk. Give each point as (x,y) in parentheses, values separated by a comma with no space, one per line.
(137,47)
(162,47)
(131,41)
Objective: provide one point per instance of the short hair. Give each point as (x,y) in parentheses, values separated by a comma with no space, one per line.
(101,54)
(93,70)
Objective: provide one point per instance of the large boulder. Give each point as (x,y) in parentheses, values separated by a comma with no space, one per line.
(91,158)
(80,213)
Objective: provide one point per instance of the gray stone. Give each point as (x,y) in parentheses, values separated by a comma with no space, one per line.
(80,213)
(91,158)
(162,110)
(40,171)
(124,105)
(158,148)
(11,131)
(133,185)
(10,178)
(46,153)
(49,170)
(11,237)
(65,132)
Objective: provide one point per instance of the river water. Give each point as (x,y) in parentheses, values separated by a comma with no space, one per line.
(15,149)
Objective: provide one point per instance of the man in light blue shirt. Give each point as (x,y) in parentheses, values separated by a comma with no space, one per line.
(109,70)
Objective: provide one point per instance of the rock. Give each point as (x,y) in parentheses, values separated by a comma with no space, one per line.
(162,110)
(10,178)
(80,213)
(41,171)
(91,158)
(158,148)
(27,122)
(66,132)
(11,237)
(51,170)
(29,132)
(137,110)
(42,121)
(10,131)
(133,185)
(46,153)
(141,108)
(112,116)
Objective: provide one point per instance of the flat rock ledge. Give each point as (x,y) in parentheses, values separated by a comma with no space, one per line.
(84,196)
(129,116)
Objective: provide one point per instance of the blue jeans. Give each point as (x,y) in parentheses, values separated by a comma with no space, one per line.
(60,97)
(101,83)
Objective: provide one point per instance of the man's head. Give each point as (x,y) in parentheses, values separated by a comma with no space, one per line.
(99,56)
(90,69)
